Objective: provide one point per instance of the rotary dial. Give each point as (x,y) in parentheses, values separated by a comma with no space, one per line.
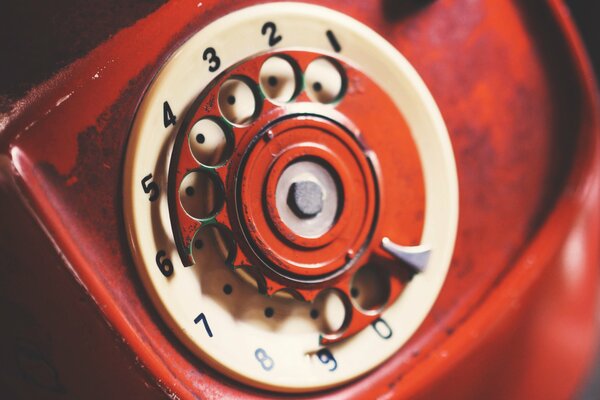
(291,197)
(268,172)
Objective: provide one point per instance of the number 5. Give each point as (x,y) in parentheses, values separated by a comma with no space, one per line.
(150,187)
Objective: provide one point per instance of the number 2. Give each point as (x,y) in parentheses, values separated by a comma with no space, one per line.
(270,27)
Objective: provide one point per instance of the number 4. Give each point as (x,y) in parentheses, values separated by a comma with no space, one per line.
(168,116)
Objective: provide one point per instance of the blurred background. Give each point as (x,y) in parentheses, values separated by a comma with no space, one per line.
(586,14)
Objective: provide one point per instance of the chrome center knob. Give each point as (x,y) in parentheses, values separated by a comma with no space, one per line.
(307,198)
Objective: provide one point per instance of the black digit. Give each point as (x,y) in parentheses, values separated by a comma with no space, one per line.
(263,358)
(270,27)
(168,117)
(333,40)
(210,55)
(164,264)
(202,318)
(326,357)
(382,328)
(150,187)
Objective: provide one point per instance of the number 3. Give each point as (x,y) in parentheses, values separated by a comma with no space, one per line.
(210,55)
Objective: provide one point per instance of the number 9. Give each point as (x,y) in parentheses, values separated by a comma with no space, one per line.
(326,357)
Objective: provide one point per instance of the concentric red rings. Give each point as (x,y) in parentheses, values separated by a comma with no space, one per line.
(301,137)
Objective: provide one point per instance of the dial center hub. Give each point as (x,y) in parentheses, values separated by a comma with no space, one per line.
(291,203)
(305,198)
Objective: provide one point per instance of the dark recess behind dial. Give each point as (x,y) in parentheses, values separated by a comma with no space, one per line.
(39,37)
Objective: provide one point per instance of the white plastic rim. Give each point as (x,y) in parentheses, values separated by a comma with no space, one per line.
(230,331)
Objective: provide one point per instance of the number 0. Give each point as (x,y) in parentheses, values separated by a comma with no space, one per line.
(382,328)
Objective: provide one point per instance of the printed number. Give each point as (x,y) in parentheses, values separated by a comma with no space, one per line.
(263,358)
(333,41)
(150,187)
(270,27)
(168,117)
(326,358)
(202,318)
(210,55)
(382,328)
(164,264)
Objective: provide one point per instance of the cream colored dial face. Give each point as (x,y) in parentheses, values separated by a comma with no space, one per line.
(273,342)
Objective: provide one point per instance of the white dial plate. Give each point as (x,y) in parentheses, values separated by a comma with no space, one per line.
(230,330)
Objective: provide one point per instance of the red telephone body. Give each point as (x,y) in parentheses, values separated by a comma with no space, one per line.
(516,317)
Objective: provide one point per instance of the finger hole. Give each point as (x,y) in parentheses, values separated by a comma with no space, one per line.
(325,81)
(279,79)
(239,101)
(201,194)
(333,311)
(370,288)
(213,243)
(252,276)
(211,143)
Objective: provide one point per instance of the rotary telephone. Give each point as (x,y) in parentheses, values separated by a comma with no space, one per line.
(306,200)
